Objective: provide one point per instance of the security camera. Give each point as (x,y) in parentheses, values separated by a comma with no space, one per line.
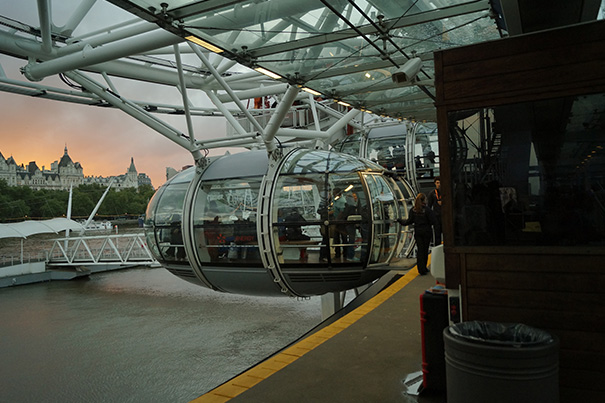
(408,71)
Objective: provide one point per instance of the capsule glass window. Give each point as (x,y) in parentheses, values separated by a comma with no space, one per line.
(225,222)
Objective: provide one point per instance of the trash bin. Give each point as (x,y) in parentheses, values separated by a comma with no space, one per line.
(499,362)
(433,320)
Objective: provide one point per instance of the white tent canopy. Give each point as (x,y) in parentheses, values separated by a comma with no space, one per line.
(26,228)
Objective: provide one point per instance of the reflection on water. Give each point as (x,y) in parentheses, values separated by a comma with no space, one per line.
(139,335)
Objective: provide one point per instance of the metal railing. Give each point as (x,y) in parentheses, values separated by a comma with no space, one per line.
(100,250)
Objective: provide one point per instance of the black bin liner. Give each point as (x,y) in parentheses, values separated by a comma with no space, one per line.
(500,363)
(502,334)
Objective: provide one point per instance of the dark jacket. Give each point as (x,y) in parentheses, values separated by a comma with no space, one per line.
(422,221)
(433,197)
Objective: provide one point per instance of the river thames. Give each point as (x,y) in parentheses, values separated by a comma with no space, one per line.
(136,335)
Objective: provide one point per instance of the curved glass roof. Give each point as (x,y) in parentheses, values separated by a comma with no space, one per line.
(321,161)
(374,55)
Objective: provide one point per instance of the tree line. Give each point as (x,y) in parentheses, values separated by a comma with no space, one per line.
(21,202)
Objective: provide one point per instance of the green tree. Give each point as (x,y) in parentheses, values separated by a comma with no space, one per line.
(82,204)
(16,202)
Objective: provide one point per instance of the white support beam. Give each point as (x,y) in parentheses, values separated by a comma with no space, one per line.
(301,133)
(243,17)
(334,113)
(278,117)
(244,76)
(76,17)
(45,25)
(90,56)
(225,86)
(253,140)
(257,92)
(313,105)
(183,89)
(135,111)
(109,37)
(236,125)
(334,130)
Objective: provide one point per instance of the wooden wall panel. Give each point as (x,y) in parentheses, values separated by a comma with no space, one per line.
(538,299)
(560,290)
(528,67)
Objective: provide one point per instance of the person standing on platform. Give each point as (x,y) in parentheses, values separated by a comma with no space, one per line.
(423,219)
(435,205)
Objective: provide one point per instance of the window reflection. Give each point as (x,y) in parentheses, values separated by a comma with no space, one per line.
(225,221)
(321,218)
(385,212)
(539,178)
(167,222)
(388,152)
(350,145)
(319,161)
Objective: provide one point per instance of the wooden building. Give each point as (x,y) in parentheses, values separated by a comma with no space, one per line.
(523,217)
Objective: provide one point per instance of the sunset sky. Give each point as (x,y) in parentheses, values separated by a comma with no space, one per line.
(102,139)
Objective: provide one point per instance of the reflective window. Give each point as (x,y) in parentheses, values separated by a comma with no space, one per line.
(406,197)
(309,161)
(298,225)
(539,177)
(385,213)
(350,221)
(148,224)
(320,218)
(225,214)
(167,223)
(350,145)
(388,152)
(426,150)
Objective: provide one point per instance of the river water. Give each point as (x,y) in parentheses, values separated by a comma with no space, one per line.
(136,335)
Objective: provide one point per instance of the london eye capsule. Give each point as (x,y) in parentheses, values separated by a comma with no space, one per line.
(310,223)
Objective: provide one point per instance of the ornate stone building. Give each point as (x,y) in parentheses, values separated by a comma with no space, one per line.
(63,174)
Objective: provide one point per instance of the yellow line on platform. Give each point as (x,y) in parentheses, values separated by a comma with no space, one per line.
(265,369)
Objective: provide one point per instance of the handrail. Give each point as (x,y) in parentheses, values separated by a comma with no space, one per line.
(100,249)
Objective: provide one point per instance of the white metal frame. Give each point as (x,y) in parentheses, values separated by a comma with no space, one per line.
(100,250)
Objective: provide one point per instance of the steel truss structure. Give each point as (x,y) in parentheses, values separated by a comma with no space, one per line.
(374,57)
(126,249)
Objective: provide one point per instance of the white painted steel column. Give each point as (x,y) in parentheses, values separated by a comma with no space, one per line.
(313,105)
(77,16)
(221,107)
(89,56)
(108,37)
(183,88)
(135,111)
(258,92)
(225,86)
(278,117)
(301,133)
(45,23)
(342,122)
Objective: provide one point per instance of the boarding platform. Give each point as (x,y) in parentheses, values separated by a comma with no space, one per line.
(365,356)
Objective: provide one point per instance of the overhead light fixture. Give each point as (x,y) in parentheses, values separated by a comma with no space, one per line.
(204,44)
(343,103)
(348,188)
(408,71)
(311,91)
(268,73)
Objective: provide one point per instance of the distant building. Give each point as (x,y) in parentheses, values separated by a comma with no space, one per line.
(63,174)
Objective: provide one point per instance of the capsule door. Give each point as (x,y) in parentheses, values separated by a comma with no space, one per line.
(385,211)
